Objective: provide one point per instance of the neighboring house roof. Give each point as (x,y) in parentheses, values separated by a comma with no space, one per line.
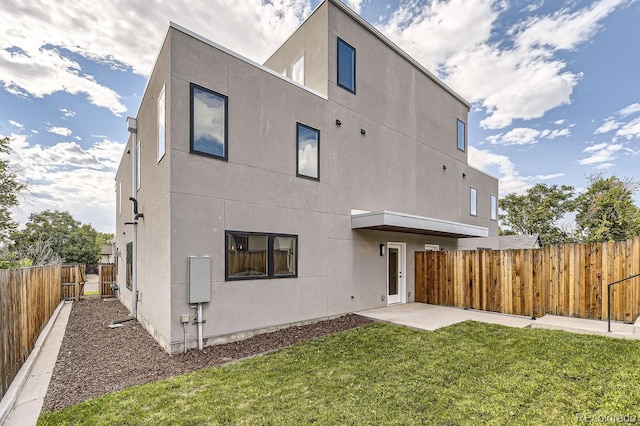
(107,250)
(506,242)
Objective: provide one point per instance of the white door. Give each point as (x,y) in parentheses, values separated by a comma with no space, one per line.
(396,265)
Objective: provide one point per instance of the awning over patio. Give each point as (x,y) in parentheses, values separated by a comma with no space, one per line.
(412,224)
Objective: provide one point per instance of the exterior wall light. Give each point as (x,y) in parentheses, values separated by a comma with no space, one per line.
(464,175)
(444,167)
(338,122)
(363,131)
(382,249)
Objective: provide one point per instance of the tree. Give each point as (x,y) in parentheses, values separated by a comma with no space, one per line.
(71,240)
(606,212)
(10,191)
(538,211)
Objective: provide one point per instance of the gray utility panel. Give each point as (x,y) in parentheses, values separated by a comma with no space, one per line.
(199,279)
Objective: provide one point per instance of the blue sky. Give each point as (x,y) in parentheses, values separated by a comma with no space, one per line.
(553,85)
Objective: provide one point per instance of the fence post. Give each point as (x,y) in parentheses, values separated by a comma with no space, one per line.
(77,272)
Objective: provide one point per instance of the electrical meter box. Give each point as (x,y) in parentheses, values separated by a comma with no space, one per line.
(199,279)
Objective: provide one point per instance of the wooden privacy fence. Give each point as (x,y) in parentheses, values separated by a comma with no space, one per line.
(73,279)
(106,277)
(28,298)
(569,280)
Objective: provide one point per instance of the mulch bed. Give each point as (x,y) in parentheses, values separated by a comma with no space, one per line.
(95,360)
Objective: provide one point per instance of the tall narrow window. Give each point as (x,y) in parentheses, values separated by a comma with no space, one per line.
(162,143)
(494,207)
(208,122)
(308,140)
(346,66)
(120,197)
(138,163)
(297,70)
(461,135)
(474,202)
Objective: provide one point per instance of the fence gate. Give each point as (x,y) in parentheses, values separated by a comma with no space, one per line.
(72,278)
(106,276)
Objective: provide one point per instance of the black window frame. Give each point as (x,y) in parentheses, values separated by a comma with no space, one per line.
(298,174)
(347,88)
(464,135)
(192,150)
(129,265)
(270,257)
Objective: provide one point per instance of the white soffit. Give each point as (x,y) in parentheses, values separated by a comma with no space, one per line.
(408,223)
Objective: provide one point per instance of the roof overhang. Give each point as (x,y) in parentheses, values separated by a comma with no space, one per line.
(412,224)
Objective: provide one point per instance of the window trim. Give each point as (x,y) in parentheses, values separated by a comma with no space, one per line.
(298,174)
(192,150)
(494,203)
(162,143)
(270,240)
(338,66)
(473,191)
(138,165)
(464,135)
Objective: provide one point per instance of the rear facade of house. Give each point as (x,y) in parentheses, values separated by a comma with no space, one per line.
(299,189)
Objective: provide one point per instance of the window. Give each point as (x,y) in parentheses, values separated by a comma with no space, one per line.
(474,202)
(461,135)
(494,207)
(346,66)
(253,255)
(120,197)
(297,70)
(162,144)
(138,162)
(208,123)
(129,270)
(308,152)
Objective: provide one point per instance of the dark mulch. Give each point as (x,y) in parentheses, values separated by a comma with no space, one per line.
(95,360)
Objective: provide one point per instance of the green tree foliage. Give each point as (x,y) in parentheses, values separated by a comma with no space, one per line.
(606,212)
(10,190)
(538,211)
(71,240)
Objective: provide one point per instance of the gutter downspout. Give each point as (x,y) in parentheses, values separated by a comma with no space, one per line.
(132,126)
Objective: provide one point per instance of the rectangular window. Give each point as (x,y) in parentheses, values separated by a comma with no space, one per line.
(308,152)
(494,207)
(474,202)
(461,135)
(297,70)
(129,270)
(208,122)
(346,66)
(138,163)
(254,255)
(162,143)
(120,197)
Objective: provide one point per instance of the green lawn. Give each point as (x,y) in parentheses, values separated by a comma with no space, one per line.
(469,373)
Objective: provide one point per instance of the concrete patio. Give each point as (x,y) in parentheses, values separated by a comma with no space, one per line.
(432,317)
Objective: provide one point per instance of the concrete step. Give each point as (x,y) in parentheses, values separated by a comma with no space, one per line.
(586,326)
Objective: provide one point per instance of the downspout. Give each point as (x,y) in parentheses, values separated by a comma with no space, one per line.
(132,126)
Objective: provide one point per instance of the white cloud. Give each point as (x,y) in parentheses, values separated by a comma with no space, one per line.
(600,153)
(533,7)
(560,122)
(630,109)
(16,124)
(501,166)
(37,35)
(62,131)
(630,130)
(355,4)
(66,113)
(525,136)
(69,177)
(609,125)
(454,39)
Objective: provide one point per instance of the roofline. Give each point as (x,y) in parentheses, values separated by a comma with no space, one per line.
(242,58)
(367,26)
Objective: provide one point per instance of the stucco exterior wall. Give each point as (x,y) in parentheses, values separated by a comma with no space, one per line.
(189,200)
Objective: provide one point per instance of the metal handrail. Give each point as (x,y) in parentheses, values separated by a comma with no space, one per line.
(609,298)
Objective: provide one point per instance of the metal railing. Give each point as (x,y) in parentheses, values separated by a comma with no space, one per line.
(609,298)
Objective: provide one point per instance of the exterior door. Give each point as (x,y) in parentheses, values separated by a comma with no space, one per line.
(396,265)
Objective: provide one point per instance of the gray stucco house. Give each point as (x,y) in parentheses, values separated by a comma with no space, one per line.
(283,193)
